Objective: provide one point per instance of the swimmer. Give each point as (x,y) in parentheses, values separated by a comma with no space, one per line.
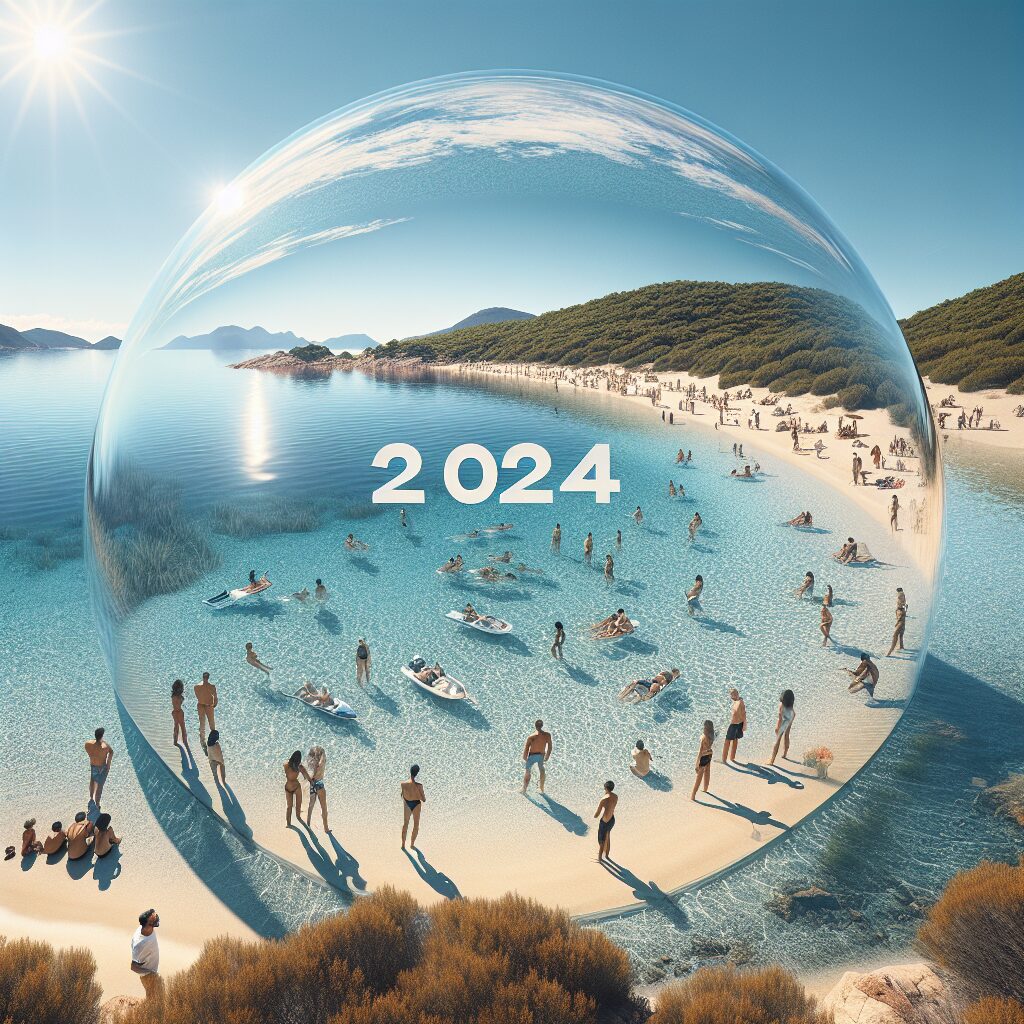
(588,548)
(505,556)
(638,516)
(492,575)
(401,517)
(680,456)
(689,455)
(556,537)
(351,544)
(695,524)
(609,568)
(498,528)
(807,587)
(642,758)
(252,658)
(320,593)
(618,539)
(556,647)
(827,598)
(302,595)
(693,594)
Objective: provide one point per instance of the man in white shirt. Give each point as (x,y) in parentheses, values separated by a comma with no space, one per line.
(146,953)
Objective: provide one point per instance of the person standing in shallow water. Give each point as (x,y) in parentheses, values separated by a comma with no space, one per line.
(293,768)
(826,623)
(704,755)
(178,713)
(413,798)
(606,812)
(588,548)
(556,538)
(556,647)
(100,755)
(787,716)
(536,752)
(363,662)
(609,568)
(737,725)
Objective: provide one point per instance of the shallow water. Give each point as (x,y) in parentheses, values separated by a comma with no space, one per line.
(898,801)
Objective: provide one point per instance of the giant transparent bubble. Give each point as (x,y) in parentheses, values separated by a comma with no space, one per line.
(670,265)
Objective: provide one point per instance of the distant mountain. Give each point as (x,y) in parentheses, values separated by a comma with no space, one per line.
(224,339)
(350,341)
(108,344)
(975,341)
(12,339)
(492,315)
(54,339)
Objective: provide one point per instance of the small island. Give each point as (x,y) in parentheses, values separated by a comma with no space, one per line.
(303,360)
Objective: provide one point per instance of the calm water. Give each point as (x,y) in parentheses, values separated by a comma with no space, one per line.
(909,816)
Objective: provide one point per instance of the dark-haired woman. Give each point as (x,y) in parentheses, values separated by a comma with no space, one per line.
(787,715)
(704,756)
(293,768)
(413,799)
(104,839)
(177,713)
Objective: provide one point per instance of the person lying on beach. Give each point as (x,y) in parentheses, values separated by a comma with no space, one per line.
(642,758)
(865,676)
(351,544)
(803,519)
(79,835)
(693,594)
(695,524)
(505,556)
(806,589)
(302,595)
(56,840)
(252,658)
(104,837)
(29,843)
(847,553)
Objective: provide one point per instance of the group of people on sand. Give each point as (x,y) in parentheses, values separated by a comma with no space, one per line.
(91,832)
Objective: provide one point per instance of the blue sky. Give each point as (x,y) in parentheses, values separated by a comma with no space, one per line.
(902,120)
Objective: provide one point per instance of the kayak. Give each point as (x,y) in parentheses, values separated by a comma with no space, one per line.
(229,597)
(446,686)
(336,709)
(486,623)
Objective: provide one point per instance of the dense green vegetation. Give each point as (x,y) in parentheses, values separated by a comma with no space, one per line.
(976,341)
(792,340)
(311,353)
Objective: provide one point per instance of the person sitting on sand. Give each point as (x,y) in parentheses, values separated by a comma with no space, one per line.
(78,836)
(320,593)
(252,658)
(56,840)
(351,544)
(104,838)
(865,676)
(847,553)
(302,595)
(642,758)
(29,843)
(693,594)
(806,589)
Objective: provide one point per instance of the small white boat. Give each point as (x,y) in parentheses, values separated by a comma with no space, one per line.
(485,623)
(229,597)
(336,709)
(446,686)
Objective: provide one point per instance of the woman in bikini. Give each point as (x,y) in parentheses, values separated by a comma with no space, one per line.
(704,757)
(807,587)
(787,715)
(413,798)
(177,713)
(293,768)
(316,765)
(826,623)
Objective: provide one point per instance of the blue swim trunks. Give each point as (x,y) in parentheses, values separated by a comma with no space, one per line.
(534,761)
(98,774)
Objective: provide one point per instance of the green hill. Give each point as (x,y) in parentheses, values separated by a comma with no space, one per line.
(790,339)
(976,341)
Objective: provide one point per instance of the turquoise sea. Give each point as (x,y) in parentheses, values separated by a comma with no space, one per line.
(908,819)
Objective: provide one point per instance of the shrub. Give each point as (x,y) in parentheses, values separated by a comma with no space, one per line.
(724,995)
(261,515)
(994,1011)
(43,985)
(976,929)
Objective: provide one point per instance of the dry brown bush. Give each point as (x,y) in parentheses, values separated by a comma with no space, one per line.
(724,995)
(976,929)
(994,1011)
(43,985)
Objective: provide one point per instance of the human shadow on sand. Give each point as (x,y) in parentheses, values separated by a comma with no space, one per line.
(648,892)
(107,868)
(748,813)
(437,880)
(232,808)
(337,867)
(568,819)
(766,773)
(655,779)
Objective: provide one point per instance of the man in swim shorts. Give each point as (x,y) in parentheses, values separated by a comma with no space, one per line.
(606,812)
(737,725)
(536,753)
(206,701)
(100,755)
(693,594)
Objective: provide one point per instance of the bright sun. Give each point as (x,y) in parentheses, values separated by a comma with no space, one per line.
(50,43)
